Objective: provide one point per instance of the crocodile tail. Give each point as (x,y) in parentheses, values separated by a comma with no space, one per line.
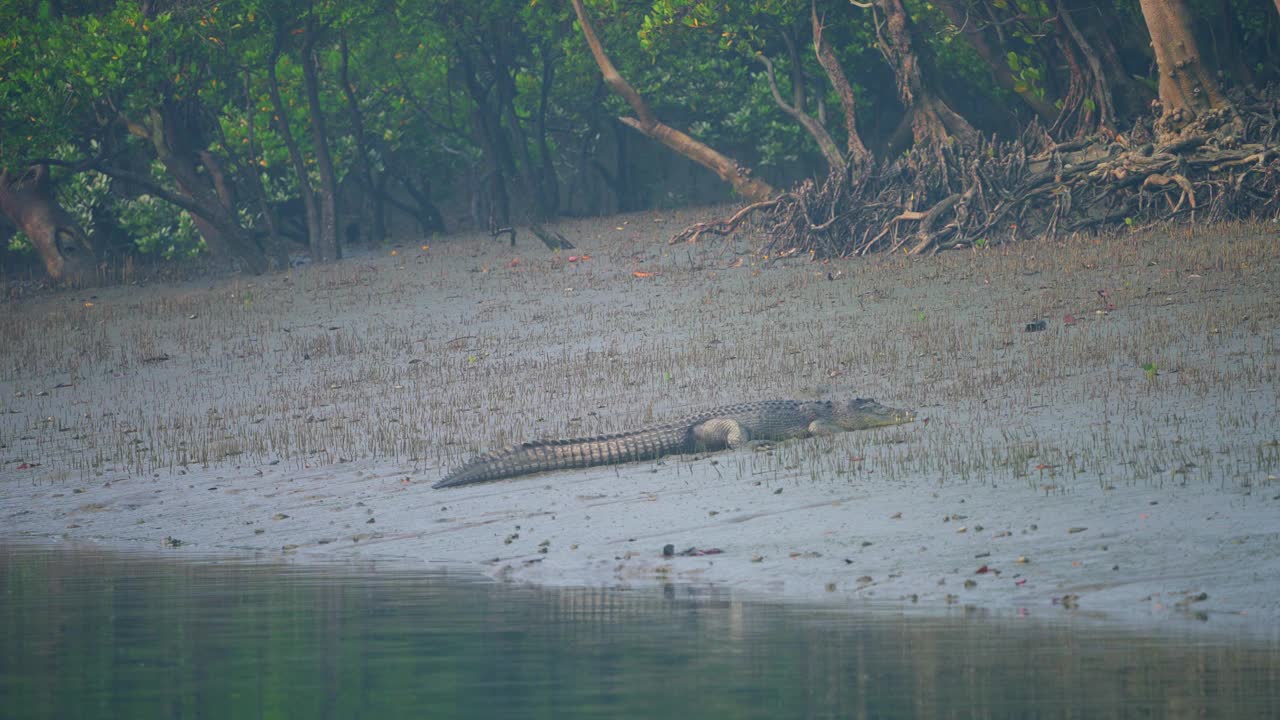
(515,460)
(480,469)
(542,455)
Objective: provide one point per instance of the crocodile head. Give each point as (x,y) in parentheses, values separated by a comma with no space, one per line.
(864,413)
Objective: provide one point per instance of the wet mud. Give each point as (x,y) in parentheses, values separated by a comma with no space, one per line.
(1097,428)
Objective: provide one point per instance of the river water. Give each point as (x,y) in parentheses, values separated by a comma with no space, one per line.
(89,633)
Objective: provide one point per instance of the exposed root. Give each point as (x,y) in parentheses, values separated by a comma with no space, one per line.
(1227,167)
(724,227)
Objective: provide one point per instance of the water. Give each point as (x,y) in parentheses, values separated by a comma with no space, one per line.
(92,634)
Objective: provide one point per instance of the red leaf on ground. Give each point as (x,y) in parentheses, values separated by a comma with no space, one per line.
(1068,320)
(982,570)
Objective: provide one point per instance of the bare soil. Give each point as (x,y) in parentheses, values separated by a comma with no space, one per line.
(1121,461)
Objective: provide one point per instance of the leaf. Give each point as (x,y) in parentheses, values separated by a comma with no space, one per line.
(642,274)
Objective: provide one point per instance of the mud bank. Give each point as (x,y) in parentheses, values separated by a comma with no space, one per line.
(1098,428)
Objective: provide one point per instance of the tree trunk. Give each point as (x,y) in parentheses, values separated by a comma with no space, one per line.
(830,151)
(858,154)
(275,242)
(1097,86)
(620,181)
(518,143)
(997,62)
(933,122)
(371,216)
(550,184)
(423,209)
(379,208)
(493,183)
(487,132)
(1103,26)
(213,213)
(28,201)
(1188,88)
(325,248)
(1227,53)
(647,123)
(799,91)
(291,143)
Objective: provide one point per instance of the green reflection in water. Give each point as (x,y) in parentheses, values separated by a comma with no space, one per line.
(88,634)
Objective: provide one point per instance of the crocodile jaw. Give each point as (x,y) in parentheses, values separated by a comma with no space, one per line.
(864,414)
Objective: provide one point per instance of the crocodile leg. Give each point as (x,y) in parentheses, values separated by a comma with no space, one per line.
(719,433)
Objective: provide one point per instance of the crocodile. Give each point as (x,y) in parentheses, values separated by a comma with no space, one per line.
(730,426)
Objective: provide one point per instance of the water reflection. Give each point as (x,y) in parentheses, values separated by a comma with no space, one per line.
(93,634)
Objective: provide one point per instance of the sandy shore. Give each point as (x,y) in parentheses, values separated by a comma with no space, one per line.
(1122,461)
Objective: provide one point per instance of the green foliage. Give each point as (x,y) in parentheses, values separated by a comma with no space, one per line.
(158,228)
(1027,76)
(701,72)
(950,58)
(693,59)
(153,227)
(78,78)
(21,244)
(85,195)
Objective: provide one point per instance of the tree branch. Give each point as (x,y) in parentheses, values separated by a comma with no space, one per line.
(819,133)
(619,84)
(151,187)
(858,153)
(647,123)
